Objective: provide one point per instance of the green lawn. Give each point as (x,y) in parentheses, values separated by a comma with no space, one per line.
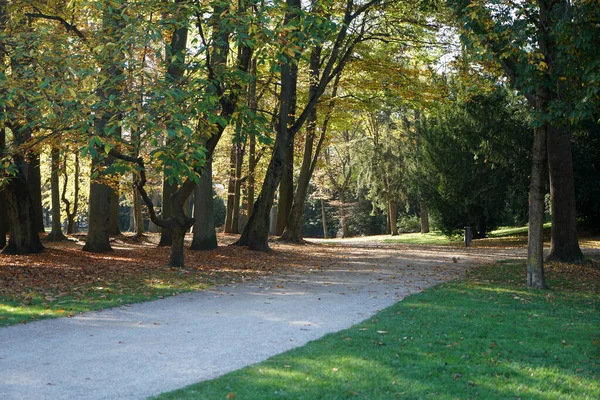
(486,337)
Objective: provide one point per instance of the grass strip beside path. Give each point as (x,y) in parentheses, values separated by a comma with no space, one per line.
(484,337)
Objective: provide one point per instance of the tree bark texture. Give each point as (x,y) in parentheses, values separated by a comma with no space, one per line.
(205,234)
(537,190)
(392,214)
(23,237)
(230,190)
(565,246)
(34,180)
(424,214)
(324,217)
(138,216)
(56,233)
(114,230)
(256,231)
(71,214)
(237,188)
(293,224)
(168,190)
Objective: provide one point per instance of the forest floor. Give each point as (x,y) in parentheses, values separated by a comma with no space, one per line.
(252,305)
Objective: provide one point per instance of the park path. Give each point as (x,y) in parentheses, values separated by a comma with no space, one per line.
(136,351)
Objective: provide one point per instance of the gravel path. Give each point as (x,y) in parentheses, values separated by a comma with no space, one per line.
(136,351)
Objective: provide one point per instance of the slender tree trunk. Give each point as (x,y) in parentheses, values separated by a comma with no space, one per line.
(253,105)
(424,218)
(293,224)
(251,174)
(537,190)
(4,225)
(393,212)
(231,190)
(343,217)
(324,217)
(565,246)
(56,233)
(237,188)
(256,232)
(205,236)
(71,215)
(138,216)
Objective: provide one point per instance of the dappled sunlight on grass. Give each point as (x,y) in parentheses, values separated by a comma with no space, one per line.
(492,340)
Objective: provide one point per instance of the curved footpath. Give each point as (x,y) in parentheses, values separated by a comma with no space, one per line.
(145,349)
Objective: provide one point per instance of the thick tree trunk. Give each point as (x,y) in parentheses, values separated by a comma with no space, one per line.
(565,246)
(34,181)
(424,218)
(56,232)
(324,217)
(165,234)
(114,230)
(205,235)
(23,236)
(253,105)
(286,190)
(537,190)
(98,237)
(176,257)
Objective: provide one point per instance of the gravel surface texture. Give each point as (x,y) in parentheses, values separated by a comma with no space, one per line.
(145,349)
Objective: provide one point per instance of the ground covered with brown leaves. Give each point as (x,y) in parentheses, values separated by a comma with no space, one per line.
(64,280)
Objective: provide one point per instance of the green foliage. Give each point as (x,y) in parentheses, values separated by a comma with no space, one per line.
(408,223)
(475,161)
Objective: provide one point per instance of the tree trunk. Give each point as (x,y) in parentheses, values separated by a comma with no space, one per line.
(537,190)
(168,190)
(237,188)
(71,215)
(293,225)
(23,237)
(205,236)
(138,216)
(343,220)
(565,246)
(286,190)
(253,105)
(393,212)
(114,212)
(424,218)
(230,191)
(176,257)
(4,225)
(34,181)
(256,232)
(324,216)
(98,237)
(56,232)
